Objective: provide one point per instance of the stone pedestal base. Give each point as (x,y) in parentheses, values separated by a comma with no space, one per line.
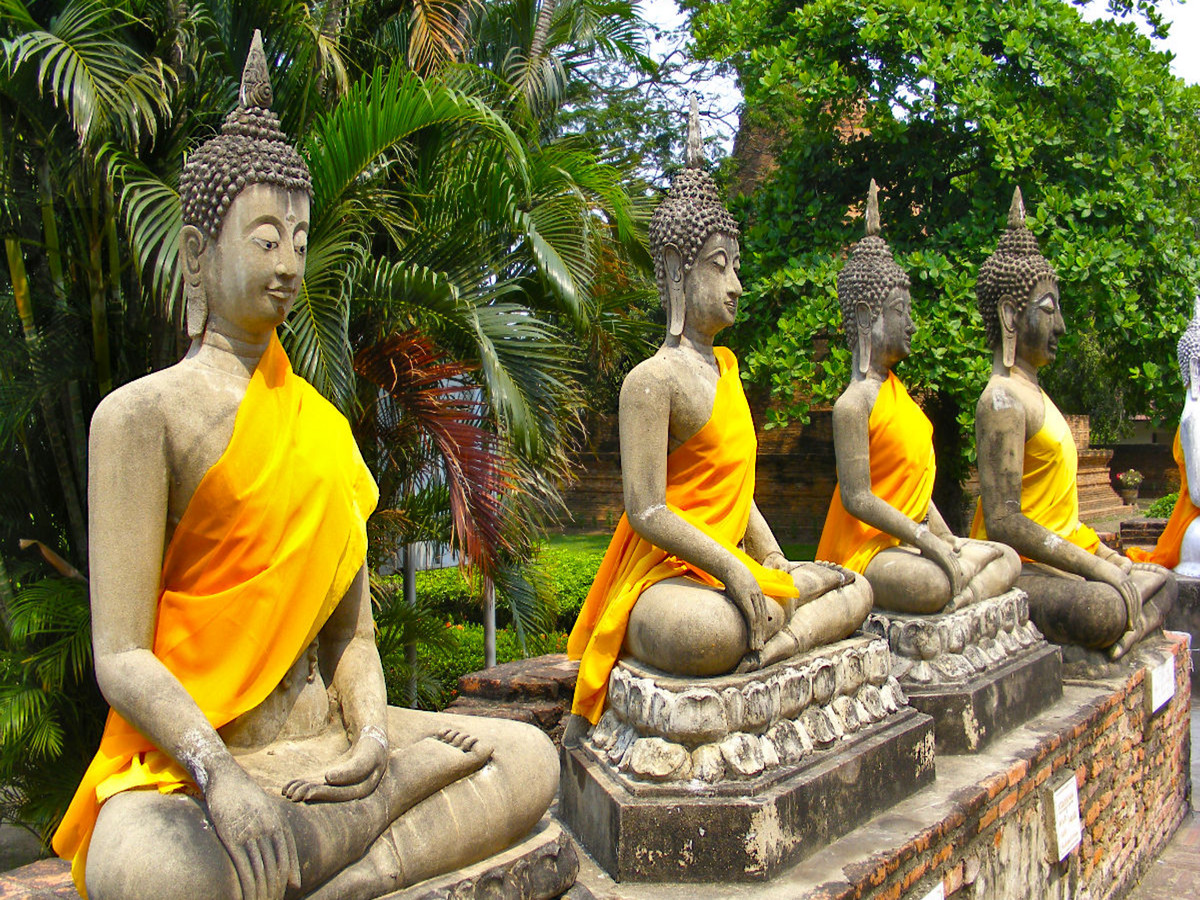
(734,778)
(977,671)
(966,717)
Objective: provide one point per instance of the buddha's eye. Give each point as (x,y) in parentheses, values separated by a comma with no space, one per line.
(266,236)
(720,260)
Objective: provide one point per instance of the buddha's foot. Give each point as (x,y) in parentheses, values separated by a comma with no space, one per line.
(751,662)
(1123,644)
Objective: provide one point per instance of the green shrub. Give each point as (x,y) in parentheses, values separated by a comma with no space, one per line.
(571,572)
(1162,507)
(444,665)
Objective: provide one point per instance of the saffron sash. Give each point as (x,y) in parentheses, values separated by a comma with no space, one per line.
(1166,551)
(268,545)
(710,484)
(902,472)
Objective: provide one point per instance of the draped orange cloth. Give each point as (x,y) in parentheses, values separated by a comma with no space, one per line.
(902,472)
(1048,492)
(269,544)
(710,484)
(1166,551)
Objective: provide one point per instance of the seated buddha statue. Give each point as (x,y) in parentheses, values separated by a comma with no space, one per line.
(694,582)
(1178,547)
(250,752)
(1080,591)
(882,520)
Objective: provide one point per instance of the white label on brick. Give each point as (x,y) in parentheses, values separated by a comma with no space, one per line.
(1066,817)
(1160,679)
(938,892)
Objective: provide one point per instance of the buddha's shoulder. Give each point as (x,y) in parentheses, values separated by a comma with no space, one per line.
(1004,396)
(154,402)
(857,399)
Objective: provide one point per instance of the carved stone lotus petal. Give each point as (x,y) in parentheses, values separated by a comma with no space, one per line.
(758,708)
(604,732)
(786,740)
(878,662)
(956,636)
(975,657)
(846,714)
(743,754)
(769,754)
(708,764)
(851,672)
(618,693)
(1009,642)
(657,760)
(824,682)
(735,708)
(818,727)
(872,701)
(697,716)
(624,740)
(795,692)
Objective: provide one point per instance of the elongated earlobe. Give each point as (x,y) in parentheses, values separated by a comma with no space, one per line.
(192,244)
(1007,312)
(862,322)
(676,303)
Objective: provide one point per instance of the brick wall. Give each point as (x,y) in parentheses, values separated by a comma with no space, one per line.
(1132,773)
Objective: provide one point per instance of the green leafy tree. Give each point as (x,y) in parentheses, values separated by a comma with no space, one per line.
(949,105)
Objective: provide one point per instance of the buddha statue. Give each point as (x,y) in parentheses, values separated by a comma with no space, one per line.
(882,520)
(1080,591)
(694,583)
(250,751)
(1178,547)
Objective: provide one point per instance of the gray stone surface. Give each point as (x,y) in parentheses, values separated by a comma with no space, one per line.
(541,867)
(661,728)
(697,833)
(1185,615)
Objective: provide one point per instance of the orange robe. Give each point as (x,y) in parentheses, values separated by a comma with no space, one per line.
(1049,495)
(267,547)
(902,472)
(1166,551)
(710,484)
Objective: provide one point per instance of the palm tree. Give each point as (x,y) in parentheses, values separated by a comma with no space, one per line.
(457,253)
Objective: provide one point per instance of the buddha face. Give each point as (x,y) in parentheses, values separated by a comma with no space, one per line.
(711,287)
(1039,326)
(893,328)
(252,271)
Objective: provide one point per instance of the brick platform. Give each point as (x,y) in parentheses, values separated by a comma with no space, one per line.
(979,829)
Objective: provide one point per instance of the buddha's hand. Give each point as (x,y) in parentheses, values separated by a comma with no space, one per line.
(742,588)
(354,775)
(256,836)
(946,557)
(1132,596)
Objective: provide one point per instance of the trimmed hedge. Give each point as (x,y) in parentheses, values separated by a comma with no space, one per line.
(467,656)
(1162,507)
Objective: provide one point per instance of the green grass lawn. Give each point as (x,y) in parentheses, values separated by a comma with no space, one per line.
(599,541)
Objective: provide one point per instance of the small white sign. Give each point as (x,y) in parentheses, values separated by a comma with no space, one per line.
(1067,828)
(1160,683)
(938,892)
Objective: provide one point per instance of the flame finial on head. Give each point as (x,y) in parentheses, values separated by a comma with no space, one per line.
(695,144)
(873,209)
(256,81)
(1016,210)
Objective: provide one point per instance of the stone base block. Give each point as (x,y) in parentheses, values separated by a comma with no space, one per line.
(966,717)
(748,830)
(541,867)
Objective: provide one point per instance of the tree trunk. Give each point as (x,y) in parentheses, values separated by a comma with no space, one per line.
(410,597)
(489,623)
(541,30)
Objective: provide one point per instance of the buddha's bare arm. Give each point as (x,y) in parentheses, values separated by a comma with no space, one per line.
(348,651)
(1189,438)
(128,484)
(851,418)
(1000,434)
(645,412)
(761,544)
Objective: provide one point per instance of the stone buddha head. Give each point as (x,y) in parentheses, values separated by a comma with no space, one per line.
(1017,291)
(873,292)
(1188,353)
(245,196)
(694,242)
